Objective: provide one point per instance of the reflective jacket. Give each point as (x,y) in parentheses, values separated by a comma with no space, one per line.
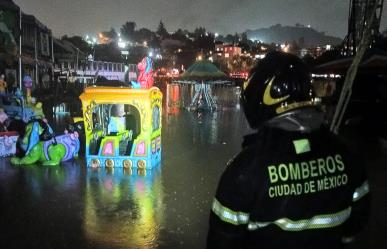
(293,185)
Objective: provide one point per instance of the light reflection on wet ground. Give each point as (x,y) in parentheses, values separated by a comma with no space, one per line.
(74,207)
(71,206)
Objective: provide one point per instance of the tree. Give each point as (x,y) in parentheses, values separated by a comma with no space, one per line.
(78,42)
(143,34)
(179,35)
(112,34)
(162,31)
(245,43)
(136,54)
(244,38)
(205,42)
(230,39)
(240,64)
(294,47)
(107,52)
(154,43)
(199,32)
(128,30)
(328,56)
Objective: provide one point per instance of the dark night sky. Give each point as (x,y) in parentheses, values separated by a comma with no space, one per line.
(81,17)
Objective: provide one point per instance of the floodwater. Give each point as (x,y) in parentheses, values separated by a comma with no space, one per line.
(71,206)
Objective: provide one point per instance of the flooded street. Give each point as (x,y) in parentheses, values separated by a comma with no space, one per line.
(72,206)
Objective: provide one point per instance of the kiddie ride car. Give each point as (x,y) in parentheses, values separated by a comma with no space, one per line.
(122,127)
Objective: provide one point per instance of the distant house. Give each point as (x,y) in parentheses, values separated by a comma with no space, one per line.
(68,59)
(72,65)
(36,44)
(227,51)
(37,49)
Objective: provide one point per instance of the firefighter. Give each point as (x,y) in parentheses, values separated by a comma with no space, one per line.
(294,184)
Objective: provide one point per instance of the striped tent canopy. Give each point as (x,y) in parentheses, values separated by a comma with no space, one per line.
(203,71)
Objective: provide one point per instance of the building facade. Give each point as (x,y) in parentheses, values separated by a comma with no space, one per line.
(9,35)
(37,51)
(26,46)
(227,51)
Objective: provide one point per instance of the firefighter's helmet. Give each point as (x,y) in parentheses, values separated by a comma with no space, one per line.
(279,83)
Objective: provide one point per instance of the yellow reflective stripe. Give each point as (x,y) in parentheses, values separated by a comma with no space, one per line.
(316,222)
(361,191)
(228,215)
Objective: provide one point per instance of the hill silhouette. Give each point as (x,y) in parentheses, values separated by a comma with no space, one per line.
(304,36)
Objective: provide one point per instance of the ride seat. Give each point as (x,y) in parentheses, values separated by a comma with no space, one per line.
(116,125)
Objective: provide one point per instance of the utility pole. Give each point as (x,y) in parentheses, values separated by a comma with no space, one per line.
(346,91)
(53,61)
(20,49)
(36,56)
(76,70)
(359,12)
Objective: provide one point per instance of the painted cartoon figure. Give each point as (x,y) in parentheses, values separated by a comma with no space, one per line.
(145,77)
(10,124)
(41,145)
(27,81)
(7,138)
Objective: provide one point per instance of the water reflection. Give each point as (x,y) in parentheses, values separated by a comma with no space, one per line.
(204,128)
(71,206)
(173,100)
(42,180)
(41,206)
(123,209)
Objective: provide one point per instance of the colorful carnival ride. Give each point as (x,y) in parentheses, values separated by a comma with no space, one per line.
(24,132)
(40,144)
(122,127)
(8,135)
(15,112)
(145,74)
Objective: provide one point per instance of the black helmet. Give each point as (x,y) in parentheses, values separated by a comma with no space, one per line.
(279,83)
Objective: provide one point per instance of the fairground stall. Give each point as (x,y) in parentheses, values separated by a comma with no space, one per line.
(122,127)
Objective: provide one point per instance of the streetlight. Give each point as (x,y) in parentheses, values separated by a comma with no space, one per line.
(121,44)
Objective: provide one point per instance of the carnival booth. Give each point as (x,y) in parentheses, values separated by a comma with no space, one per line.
(203,76)
(122,126)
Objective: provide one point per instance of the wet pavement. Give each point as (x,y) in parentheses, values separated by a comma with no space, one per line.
(71,206)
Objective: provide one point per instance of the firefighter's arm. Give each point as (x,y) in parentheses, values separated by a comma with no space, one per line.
(222,235)
(360,204)
(360,211)
(230,211)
